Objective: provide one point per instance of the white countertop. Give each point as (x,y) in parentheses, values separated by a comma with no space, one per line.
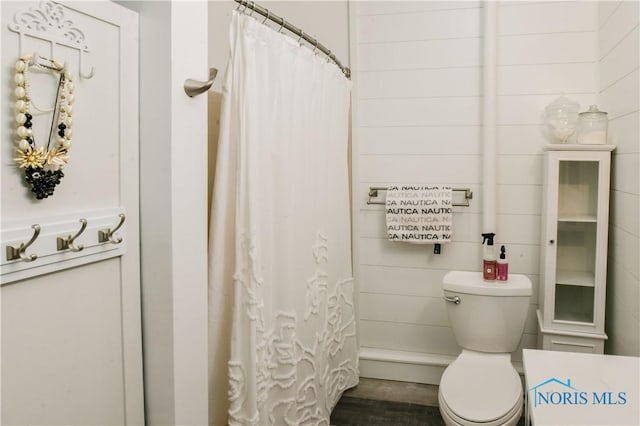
(567,388)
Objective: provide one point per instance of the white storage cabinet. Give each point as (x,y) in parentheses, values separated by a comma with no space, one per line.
(573,260)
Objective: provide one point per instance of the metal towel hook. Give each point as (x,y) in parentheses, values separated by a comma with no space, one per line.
(195,87)
(14,253)
(66,243)
(106,235)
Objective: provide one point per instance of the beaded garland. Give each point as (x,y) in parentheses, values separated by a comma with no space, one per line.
(43,165)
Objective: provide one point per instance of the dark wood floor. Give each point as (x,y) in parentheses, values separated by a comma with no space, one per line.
(370,412)
(377,402)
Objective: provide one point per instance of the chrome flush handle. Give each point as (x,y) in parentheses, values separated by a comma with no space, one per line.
(454,299)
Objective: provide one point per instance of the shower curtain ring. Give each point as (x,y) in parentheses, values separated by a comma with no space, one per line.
(281,25)
(316,46)
(329,56)
(266,18)
(253,8)
(301,36)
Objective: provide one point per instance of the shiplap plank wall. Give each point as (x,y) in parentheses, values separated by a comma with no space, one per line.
(418,77)
(619,49)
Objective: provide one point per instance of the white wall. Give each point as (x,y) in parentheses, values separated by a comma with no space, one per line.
(619,48)
(417,120)
(173,46)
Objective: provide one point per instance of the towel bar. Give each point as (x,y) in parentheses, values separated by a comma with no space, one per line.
(373,192)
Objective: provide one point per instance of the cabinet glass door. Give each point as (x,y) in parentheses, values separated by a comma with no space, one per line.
(576,241)
(578,191)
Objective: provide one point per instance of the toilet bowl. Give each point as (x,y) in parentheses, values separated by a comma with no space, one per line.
(481,387)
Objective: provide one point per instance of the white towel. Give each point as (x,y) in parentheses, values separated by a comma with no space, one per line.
(419,214)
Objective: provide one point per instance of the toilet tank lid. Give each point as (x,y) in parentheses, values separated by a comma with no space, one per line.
(467,282)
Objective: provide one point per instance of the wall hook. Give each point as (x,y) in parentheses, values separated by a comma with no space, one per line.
(194,87)
(67,243)
(106,235)
(14,253)
(81,73)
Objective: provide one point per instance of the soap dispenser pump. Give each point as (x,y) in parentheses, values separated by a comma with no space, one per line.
(503,266)
(489,260)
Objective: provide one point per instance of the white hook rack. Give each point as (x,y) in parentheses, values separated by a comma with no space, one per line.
(59,242)
(48,23)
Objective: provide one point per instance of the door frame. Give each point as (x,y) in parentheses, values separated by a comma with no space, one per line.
(173,210)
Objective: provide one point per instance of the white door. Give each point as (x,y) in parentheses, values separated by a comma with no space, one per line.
(71,328)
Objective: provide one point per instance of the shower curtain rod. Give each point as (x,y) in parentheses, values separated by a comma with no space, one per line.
(295,30)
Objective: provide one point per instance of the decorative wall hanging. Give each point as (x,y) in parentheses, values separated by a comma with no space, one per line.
(42,160)
(48,22)
(43,164)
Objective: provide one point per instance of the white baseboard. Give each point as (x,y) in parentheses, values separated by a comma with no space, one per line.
(403,366)
(414,367)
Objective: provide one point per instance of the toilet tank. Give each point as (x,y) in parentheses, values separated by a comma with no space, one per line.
(490,315)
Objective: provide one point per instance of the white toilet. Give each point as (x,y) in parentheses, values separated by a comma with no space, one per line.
(481,387)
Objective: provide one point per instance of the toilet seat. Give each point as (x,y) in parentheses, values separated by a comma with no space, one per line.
(481,388)
(510,419)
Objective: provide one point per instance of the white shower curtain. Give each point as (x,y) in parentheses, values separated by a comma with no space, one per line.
(282,321)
